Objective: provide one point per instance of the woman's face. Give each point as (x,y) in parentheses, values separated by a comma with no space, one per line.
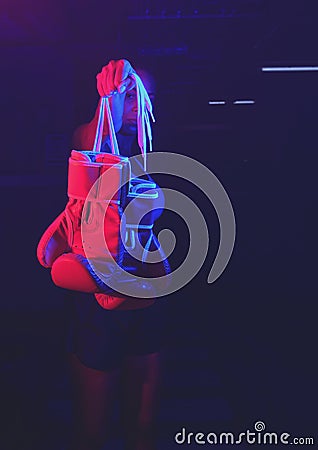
(129,126)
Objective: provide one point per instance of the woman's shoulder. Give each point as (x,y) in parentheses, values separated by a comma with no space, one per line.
(83,137)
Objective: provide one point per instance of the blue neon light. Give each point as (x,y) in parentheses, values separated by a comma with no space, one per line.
(290,69)
(244,102)
(217,102)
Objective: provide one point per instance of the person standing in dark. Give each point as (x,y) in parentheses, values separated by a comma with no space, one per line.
(115,354)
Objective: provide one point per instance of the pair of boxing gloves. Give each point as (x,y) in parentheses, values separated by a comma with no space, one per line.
(62,248)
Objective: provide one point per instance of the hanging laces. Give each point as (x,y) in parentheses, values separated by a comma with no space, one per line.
(144,109)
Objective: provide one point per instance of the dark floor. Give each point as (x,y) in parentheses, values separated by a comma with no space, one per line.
(239,351)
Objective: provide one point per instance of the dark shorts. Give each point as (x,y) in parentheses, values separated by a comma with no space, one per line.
(101,338)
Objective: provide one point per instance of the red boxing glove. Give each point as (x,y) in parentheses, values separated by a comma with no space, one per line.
(61,246)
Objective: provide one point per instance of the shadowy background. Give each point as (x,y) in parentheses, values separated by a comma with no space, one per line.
(244,348)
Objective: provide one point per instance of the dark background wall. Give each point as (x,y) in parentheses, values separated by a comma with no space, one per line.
(256,326)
